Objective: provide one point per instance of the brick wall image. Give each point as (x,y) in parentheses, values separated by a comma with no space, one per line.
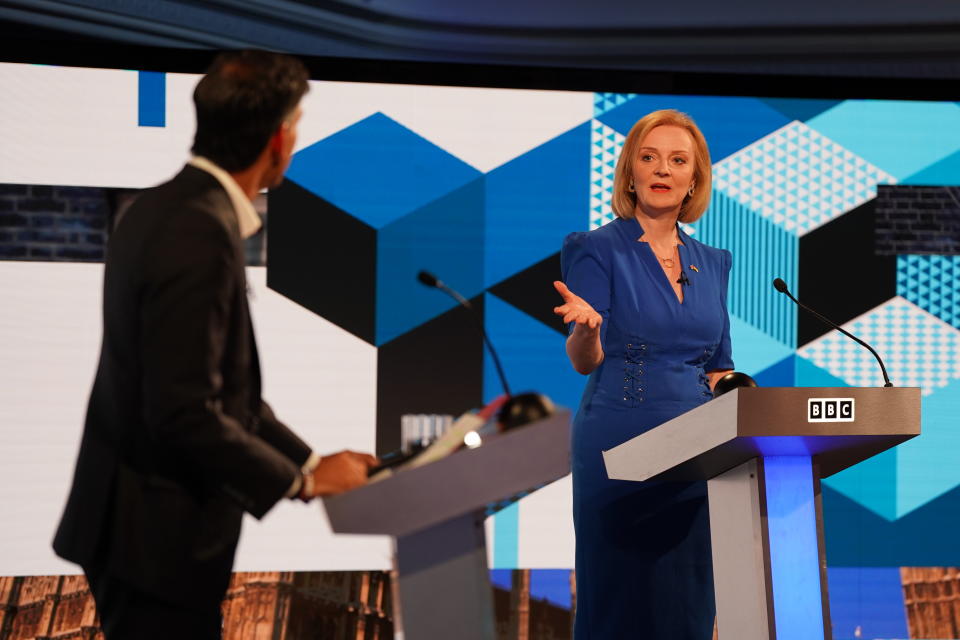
(36,607)
(917,219)
(342,605)
(932,599)
(353,605)
(40,222)
(72,224)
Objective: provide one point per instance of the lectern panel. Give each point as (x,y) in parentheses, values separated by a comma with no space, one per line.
(755,422)
(505,466)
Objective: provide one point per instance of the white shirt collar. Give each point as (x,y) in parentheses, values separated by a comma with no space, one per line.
(247,216)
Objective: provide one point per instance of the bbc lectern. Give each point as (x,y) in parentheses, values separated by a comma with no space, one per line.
(763,452)
(436,514)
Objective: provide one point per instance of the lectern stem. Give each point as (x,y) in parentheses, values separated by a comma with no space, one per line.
(444,585)
(768,561)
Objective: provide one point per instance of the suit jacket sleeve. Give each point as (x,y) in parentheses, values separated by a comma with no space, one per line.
(281,437)
(186,306)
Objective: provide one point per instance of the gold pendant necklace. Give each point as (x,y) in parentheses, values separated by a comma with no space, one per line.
(668,263)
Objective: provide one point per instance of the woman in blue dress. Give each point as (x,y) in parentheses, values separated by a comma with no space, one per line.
(647,307)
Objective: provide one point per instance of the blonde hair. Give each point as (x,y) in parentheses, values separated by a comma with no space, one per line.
(624,201)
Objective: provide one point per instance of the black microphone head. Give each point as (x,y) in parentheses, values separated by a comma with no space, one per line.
(427,278)
(780,285)
(524,408)
(731,381)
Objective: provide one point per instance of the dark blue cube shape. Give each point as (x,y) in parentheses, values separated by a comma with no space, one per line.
(361,213)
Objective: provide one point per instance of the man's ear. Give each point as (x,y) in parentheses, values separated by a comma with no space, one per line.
(279,138)
(276,140)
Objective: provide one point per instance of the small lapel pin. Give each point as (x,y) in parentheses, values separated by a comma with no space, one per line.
(695,269)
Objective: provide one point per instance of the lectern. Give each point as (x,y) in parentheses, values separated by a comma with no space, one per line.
(763,452)
(436,514)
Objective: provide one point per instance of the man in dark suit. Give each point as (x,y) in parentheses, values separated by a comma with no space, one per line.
(177,442)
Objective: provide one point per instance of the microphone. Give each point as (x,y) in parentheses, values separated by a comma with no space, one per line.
(781,286)
(683,280)
(518,409)
(430,280)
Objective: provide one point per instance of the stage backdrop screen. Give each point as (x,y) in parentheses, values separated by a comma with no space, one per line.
(854,203)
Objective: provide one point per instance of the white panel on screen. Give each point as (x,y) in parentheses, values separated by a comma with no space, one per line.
(483,127)
(49,343)
(546,527)
(74,126)
(320,379)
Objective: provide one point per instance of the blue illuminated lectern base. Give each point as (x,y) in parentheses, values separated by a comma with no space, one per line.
(769,569)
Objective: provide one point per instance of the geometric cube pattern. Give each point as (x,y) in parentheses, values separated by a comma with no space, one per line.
(918,349)
(377,194)
(532,201)
(495,234)
(849,239)
(347,169)
(798,178)
(932,283)
(761,252)
(605,146)
(425,212)
(728,123)
(902,137)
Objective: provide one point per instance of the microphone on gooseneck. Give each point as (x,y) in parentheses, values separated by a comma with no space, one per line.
(781,286)
(518,409)
(427,278)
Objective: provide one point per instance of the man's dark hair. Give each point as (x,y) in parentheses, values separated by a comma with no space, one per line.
(241,101)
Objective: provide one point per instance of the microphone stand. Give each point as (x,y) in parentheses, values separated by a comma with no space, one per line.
(781,286)
(519,409)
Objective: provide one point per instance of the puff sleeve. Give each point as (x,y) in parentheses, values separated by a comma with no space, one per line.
(722,358)
(586,272)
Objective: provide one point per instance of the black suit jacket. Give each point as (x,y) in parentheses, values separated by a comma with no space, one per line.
(177,441)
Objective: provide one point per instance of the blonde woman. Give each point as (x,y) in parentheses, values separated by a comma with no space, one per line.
(647,307)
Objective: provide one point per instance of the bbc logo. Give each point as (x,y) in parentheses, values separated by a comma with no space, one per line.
(830,410)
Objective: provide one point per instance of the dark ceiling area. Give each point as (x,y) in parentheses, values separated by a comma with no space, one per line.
(840,44)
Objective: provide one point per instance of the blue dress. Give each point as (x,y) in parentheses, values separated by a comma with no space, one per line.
(643,561)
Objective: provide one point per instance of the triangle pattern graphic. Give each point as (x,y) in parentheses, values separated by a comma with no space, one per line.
(603,102)
(605,146)
(931,283)
(798,178)
(919,349)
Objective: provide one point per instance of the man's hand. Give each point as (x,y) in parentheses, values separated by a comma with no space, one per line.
(339,472)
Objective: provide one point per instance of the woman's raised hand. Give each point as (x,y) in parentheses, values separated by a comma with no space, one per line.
(576,309)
